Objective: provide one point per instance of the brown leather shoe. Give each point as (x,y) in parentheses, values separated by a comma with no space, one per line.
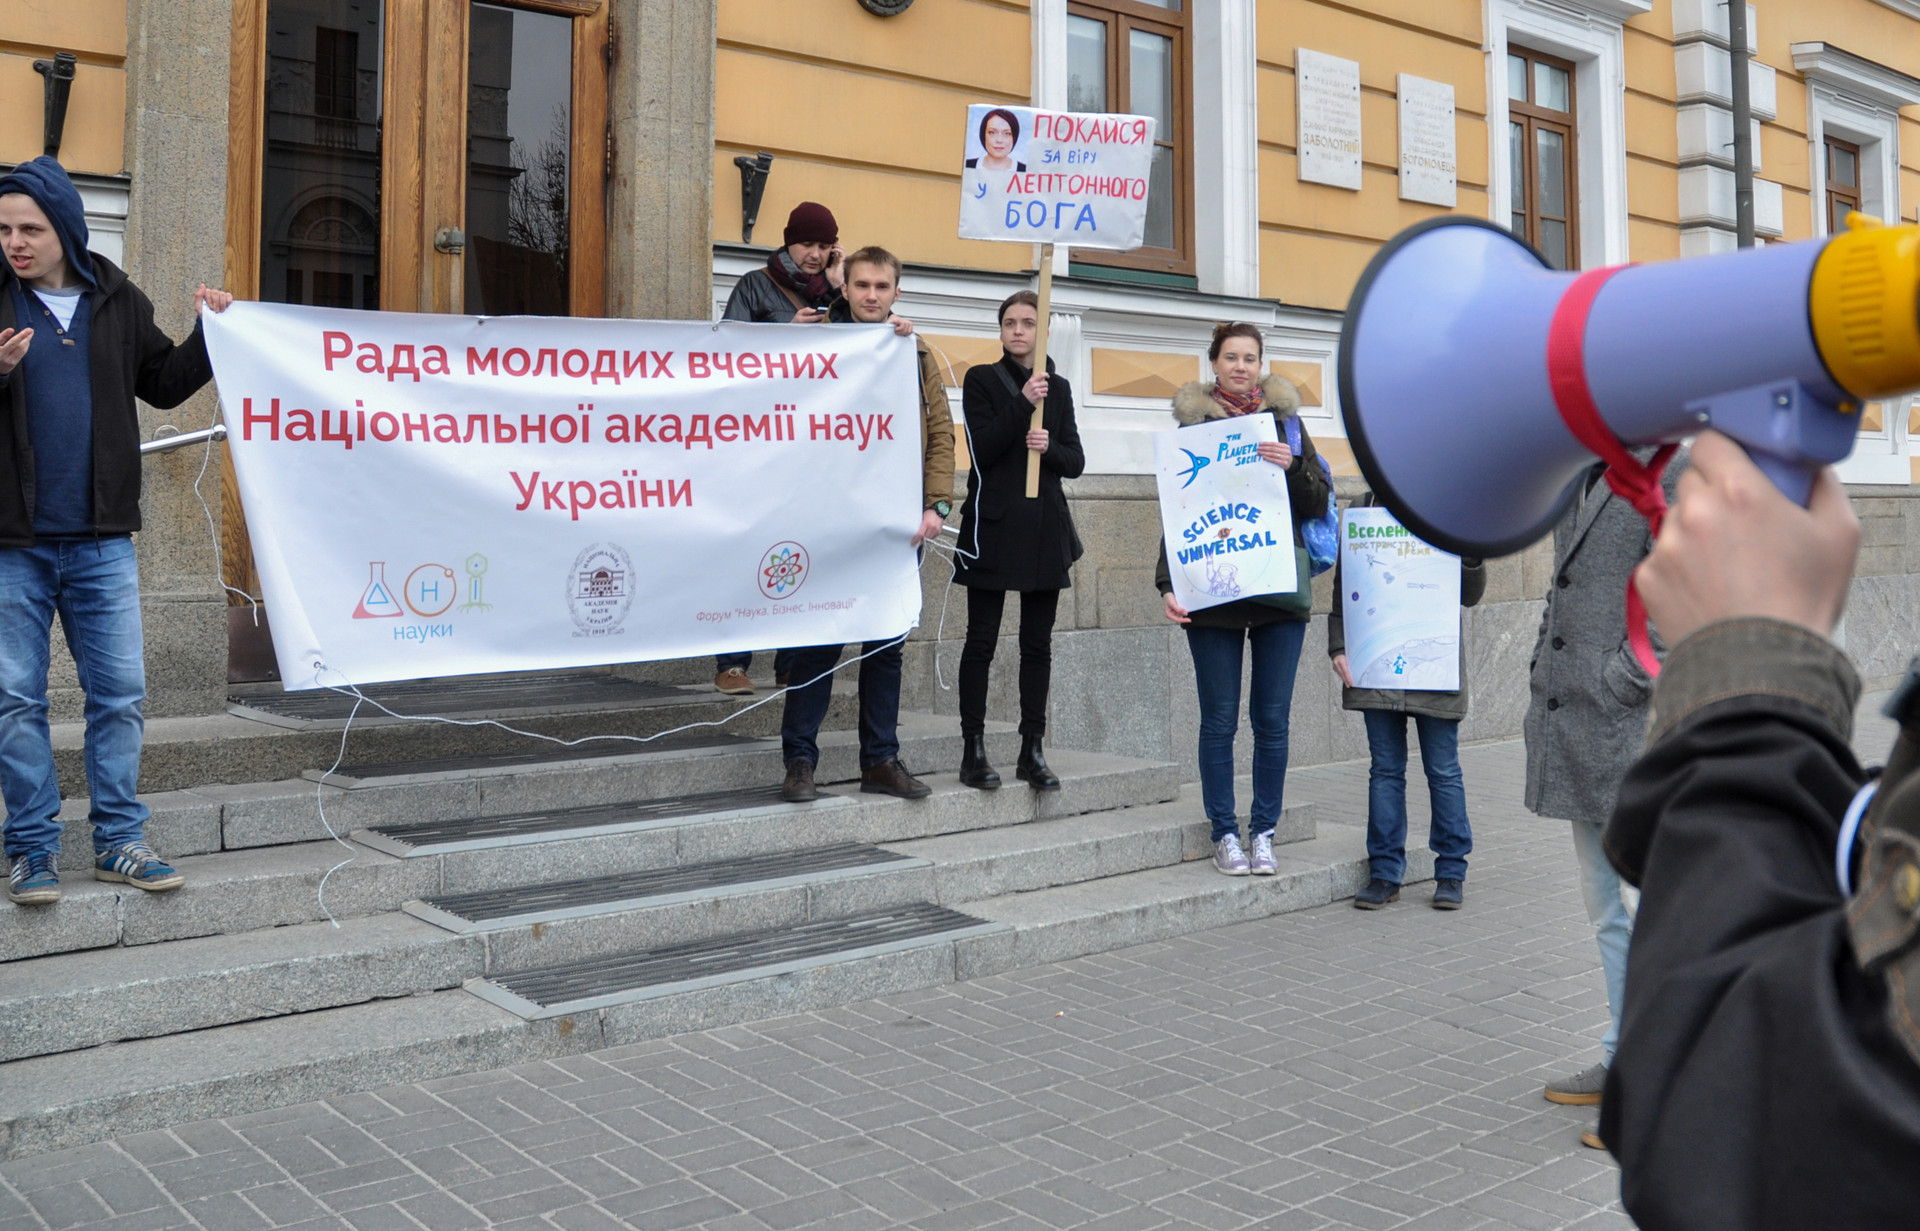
(734,682)
(799,788)
(892,778)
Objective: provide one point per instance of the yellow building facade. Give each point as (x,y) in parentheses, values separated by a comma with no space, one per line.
(1602,128)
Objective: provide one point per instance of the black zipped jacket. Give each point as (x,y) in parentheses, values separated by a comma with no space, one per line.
(132,358)
(1762,1082)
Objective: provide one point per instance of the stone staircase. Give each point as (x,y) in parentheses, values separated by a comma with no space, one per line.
(489,904)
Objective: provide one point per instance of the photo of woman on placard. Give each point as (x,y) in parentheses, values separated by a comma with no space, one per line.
(999,138)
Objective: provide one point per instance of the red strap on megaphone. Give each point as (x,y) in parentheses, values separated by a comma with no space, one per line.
(1638,484)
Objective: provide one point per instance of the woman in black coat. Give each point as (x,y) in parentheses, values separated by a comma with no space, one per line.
(1008,542)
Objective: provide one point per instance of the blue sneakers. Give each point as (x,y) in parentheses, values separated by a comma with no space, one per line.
(33,882)
(135,864)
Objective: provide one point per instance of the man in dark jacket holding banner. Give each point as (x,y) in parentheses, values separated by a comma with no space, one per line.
(77,346)
(873,286)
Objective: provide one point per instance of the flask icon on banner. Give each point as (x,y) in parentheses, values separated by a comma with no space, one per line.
(377,601)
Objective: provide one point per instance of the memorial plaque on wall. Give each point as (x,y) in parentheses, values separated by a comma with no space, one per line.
(1429,166)
(1329,106)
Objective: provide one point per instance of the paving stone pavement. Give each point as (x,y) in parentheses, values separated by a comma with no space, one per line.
(1328,1068)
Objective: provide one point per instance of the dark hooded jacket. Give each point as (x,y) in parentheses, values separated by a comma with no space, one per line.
(131,358)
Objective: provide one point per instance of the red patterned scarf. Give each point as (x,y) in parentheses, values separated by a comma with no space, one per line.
(1240,403)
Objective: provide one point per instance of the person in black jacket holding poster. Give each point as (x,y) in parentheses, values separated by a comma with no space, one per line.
(1768,1074)
(1008,542)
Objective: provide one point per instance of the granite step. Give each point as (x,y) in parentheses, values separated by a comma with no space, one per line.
(1072,920)
(636,977)
(68,1001)
(273,886)
(973,865)
(51,1101)
(55,1101)
(182,753)
(237,816)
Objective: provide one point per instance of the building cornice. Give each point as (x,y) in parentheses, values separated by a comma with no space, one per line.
(1908,8)
(1828,65)
(1609,12)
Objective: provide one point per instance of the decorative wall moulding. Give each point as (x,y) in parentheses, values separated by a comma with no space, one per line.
(1855,75)
(1706,199)
(1611,12)
(1707,19)
(1705,72)
(1706,135)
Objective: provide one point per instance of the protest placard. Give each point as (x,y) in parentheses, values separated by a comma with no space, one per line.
(1224,512)
(442,495)
(1047,177)
(1401,603)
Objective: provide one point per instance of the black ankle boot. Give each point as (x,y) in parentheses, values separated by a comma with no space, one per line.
(1032,767)
(974,770)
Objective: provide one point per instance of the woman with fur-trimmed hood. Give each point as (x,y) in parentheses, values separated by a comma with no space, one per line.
(1218,635)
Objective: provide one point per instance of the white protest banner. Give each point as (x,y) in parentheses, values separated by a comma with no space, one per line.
(444,495)
(1045,177)
(1401,603)
(1224,512)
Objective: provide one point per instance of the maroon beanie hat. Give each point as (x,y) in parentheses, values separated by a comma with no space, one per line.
(811,223)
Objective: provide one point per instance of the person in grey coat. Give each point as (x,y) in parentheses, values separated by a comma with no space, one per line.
(1436,718)
(1586,721)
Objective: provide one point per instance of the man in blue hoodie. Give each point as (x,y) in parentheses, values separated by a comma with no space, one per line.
(77,346)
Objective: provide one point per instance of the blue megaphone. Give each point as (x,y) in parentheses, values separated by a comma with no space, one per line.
(1467,363)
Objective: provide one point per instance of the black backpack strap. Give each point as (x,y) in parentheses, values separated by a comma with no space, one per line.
(1000,370)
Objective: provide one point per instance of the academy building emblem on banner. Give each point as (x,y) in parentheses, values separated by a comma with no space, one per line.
(600,590)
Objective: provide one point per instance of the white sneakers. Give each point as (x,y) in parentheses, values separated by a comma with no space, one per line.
(1230,859)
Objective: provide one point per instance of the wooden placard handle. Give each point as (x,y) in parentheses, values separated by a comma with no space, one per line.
(1040,363)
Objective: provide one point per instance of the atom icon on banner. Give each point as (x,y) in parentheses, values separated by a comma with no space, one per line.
(783,569)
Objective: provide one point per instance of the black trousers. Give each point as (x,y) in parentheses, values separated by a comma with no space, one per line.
(984,609)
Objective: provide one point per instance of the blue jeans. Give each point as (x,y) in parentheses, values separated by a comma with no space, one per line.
(782,660)
(1612,925)
(95,588)
(808,698)
(1448,836)
(1216,675)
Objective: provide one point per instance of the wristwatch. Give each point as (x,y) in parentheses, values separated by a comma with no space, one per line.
(942,507)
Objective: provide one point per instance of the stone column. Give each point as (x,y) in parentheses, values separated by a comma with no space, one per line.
(660,214)
(177,157)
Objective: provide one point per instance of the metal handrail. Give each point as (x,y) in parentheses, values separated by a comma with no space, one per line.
(180,440)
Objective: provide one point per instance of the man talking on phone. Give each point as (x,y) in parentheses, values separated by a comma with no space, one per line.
(800,282)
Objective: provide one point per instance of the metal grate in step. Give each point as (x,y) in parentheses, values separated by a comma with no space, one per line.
(551,692)
(520,828)
(552,754)
(597,983)
(570,899)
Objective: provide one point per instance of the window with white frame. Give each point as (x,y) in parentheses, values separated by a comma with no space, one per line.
(1586,39)
(1853,132)
(1853,138)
